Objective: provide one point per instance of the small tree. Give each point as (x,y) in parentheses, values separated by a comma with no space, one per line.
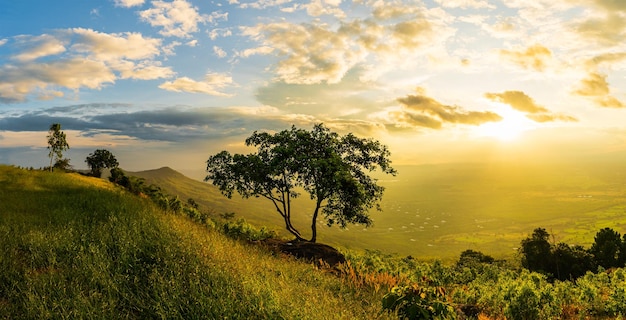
(57,143)
(537,252)
(607,247)
(99,160)
(332,169)
(63,164)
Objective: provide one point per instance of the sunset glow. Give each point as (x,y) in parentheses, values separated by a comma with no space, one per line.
(178,80)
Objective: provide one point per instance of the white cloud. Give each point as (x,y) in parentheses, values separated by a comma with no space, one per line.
(219,52)
(177,18)
(128,3)
(322,53)
(318,8)
(35,47)
(77,58)
(145,70)
(215,33)
(192,43)
(211,85)
(3,41)
(74,73)
(106,46)
(169,49)
(254,51)
(477,4)
(261,4)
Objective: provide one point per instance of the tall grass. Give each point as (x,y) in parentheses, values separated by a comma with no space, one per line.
(77,247)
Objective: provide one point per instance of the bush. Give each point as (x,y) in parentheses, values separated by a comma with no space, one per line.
(415,302)
(242,230)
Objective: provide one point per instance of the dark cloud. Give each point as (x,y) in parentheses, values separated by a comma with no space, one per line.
(169,124)
(420,110)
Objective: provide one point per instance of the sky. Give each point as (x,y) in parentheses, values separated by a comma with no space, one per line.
(171,82)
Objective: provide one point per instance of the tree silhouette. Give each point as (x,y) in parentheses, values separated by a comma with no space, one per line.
(332,169)
(607,247)
(536,252)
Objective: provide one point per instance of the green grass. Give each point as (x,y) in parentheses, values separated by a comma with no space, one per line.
(77,247)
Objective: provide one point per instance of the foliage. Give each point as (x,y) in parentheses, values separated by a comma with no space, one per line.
(416,302)
(607,249)
(562,261)
(470,257)
(100,159)
(536,252)
(63,164)
(240,229)
(57,143)
(332,169)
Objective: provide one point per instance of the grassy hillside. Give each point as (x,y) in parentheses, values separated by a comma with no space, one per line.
(437,211)
(78,247)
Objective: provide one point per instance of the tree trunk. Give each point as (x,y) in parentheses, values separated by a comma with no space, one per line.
(314,222)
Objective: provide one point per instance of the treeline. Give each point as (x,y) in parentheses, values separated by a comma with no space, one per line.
(567,262)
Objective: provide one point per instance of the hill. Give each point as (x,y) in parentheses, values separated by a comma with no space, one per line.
(437,211)
(81,247)
(209,197)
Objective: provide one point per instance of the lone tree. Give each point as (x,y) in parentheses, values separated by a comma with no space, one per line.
(57,143)
(99,160)
(332,169)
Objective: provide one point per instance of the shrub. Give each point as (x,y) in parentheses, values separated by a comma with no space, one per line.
(415,302)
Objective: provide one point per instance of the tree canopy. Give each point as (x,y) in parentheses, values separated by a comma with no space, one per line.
(57,143)
(332,169)
(99,160)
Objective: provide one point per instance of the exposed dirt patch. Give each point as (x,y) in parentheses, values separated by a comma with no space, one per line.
(313,252)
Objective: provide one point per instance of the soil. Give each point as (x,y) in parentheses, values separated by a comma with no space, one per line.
(317,253)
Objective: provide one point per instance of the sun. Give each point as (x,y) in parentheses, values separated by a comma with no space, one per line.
(510,128)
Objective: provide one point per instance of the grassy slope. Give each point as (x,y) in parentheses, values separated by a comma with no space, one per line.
(77,247)
(437,211)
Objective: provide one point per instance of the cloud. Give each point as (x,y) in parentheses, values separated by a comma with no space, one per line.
(145,70)
(74,59)
(608,30)
(211,85)
(104,46)
(219,52)
(344,99)
(534,57)
(547,117)
(604,22)
(177,18)
(597,88)
(3,42)
(74,73)
(317,52)
(34,47)
(520,101)
(317,8)
(464,4)
(423,111)
(262,4)
(128,3)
